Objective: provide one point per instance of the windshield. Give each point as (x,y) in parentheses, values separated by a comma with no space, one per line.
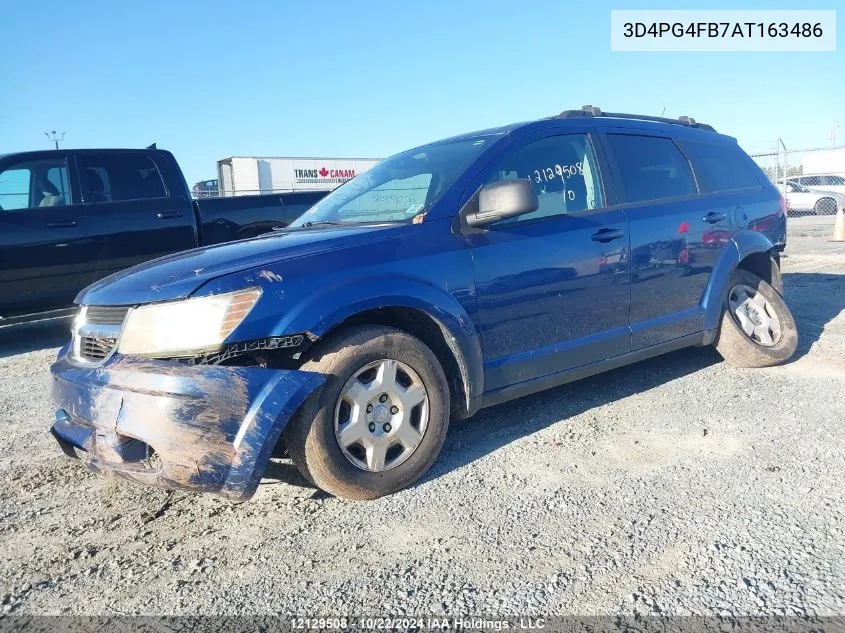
(398,188)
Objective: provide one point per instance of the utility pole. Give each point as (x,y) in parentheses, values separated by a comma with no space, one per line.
(832,134)
(54,139)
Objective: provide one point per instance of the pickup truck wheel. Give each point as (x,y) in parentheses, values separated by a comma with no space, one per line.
(378,422)
(757,328)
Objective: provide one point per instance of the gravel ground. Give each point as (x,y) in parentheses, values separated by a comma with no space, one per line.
(675,486)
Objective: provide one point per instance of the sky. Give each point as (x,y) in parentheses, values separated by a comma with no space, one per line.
(369,78)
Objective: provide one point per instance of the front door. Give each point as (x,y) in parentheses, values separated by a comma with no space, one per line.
(45,257)
(553,286)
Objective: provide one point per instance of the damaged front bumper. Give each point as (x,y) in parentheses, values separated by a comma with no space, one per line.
(206,428)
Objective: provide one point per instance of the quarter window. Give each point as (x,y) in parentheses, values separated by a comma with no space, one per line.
(111,178)
(651,167)
(721,167)
(563,170)
(33,184)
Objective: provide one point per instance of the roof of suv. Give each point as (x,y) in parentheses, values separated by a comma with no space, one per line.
(594,116)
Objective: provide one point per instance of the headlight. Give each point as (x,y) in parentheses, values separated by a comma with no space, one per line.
(188,327)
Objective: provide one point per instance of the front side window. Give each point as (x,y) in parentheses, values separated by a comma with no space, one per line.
(112,178)
(651,167)
(34,184)
(563,170)
(400,187)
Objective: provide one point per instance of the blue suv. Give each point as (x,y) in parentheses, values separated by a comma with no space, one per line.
(450,277)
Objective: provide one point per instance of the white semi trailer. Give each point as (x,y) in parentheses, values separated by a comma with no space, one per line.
(829,161)
(252,175)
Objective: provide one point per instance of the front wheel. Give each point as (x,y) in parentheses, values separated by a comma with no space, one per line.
(757,328)
(379,421)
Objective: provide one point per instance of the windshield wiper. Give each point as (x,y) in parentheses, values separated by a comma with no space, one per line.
(307,225)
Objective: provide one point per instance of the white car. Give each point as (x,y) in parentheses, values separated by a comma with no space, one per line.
(800,198)
(825,182)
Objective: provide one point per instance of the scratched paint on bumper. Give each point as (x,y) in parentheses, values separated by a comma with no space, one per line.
(202,428)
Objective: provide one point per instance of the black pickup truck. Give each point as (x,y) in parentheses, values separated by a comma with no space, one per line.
(71,217)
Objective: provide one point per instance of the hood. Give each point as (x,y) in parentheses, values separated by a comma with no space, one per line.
(177,276)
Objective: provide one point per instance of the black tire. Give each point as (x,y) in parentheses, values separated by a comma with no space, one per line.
(740,350)
(825,206)
(310,435)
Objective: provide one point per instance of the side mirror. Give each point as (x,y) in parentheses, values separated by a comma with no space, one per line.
(501,200)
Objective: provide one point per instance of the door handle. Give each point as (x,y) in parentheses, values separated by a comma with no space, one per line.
(607,235)
(164,215)
(713,217)
(62,224)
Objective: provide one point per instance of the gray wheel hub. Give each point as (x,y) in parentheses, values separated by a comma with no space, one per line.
(755,315)
(381,415)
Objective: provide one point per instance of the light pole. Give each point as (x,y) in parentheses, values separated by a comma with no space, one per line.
(55,139)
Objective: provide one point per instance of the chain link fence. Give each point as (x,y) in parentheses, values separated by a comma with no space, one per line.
(812,180)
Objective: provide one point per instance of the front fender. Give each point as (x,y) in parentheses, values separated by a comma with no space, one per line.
(743,244)
(321,311)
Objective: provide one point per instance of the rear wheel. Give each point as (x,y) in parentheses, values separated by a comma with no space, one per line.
(825,206)
(757,328)
(379,421)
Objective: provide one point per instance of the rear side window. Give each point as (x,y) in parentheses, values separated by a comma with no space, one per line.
(651,167)
(836,181)
(112,178)
(720,167)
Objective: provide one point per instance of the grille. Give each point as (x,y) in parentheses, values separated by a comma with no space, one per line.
(98,331)
(107,315)
(95,348)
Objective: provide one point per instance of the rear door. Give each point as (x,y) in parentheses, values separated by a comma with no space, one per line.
(44,251)
(132,215)
(671,227)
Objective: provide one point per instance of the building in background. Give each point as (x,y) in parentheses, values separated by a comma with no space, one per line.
(252,175)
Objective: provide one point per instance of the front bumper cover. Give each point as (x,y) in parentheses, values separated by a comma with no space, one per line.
(206,428)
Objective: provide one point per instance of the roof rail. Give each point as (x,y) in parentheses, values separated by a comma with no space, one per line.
(593,111)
